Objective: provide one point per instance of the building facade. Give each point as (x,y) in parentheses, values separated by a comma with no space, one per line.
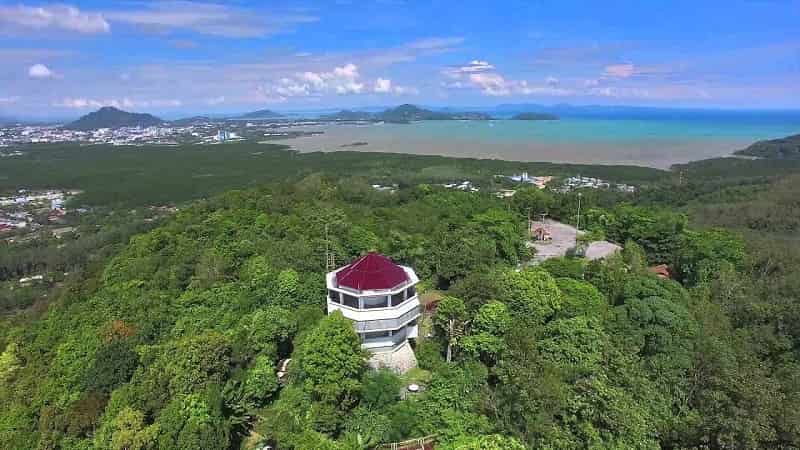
(380,297)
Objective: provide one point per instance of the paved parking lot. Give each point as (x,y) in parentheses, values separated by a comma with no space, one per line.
(563,238)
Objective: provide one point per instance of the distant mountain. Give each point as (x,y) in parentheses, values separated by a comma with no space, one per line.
(534,116)
(191,121)
(347,114)
(261,114)
(110,117)
(405,114)
(410,113)
(783,148)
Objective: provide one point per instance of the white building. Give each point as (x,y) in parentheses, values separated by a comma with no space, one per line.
(380,297)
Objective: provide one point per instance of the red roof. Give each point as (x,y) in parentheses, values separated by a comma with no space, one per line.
(371,272)
(661,270)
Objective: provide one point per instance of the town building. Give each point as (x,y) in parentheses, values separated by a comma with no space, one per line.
(381,299)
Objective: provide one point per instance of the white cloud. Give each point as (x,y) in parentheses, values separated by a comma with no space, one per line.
(405,90)
(480,75)
(266,95)
(435,43)
(209,18)
(341,80)
(83,103)
(591,83)
(655,92)
(40,71)
(216,100)
(409,52)
(491,83)
(524,88)
(9,100)
(383,85)
(626,70)
(56,17)
(474,66)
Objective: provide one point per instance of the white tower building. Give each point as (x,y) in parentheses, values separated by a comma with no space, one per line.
(380,297)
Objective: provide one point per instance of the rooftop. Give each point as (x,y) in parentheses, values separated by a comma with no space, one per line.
(372,271)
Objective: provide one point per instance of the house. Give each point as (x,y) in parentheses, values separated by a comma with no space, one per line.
(505,193)
(661,271)
(380,297)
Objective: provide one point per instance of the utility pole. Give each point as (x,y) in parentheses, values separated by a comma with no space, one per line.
(530,225)
(578,222)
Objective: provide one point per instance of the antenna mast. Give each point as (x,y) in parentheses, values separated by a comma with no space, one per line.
(330,258)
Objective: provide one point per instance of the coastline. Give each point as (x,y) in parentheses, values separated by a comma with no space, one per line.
(496,140)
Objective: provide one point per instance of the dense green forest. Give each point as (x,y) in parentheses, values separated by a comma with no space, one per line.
(169,336)
(147,175)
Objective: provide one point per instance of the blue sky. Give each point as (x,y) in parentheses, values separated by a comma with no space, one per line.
(63,59)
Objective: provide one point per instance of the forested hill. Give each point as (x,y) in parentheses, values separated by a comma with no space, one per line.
(110,117)
(405,114)
(410,113)
(348,115)
(261,114)
(174,344)
(783,148)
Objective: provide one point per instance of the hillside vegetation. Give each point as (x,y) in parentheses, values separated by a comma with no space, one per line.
(168,331)
(146,175)
(783,148)
(174,343)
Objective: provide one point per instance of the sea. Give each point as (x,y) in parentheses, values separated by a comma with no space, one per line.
(645,138)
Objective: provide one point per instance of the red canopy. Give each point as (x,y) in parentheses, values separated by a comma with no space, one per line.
(371,272)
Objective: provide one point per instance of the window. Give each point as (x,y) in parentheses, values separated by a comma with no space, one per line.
(376,335)
(333,295)
(375,302)
(398,298)
(349,300)
(411,291)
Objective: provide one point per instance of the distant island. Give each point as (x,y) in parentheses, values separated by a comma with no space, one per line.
(411,113)
(111,117)
(783,148)
(261,114)
(355,144)
(404,114)
(534,116)
(348,115)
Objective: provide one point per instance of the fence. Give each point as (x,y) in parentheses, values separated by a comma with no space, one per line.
(423,443)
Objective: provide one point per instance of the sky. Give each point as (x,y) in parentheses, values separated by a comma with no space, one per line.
(180,57)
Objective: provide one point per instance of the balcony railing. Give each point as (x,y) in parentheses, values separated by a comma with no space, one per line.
(387,324)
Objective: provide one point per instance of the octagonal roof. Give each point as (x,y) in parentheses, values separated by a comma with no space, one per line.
(372,271)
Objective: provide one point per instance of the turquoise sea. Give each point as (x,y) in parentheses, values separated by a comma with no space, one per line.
(648,141)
